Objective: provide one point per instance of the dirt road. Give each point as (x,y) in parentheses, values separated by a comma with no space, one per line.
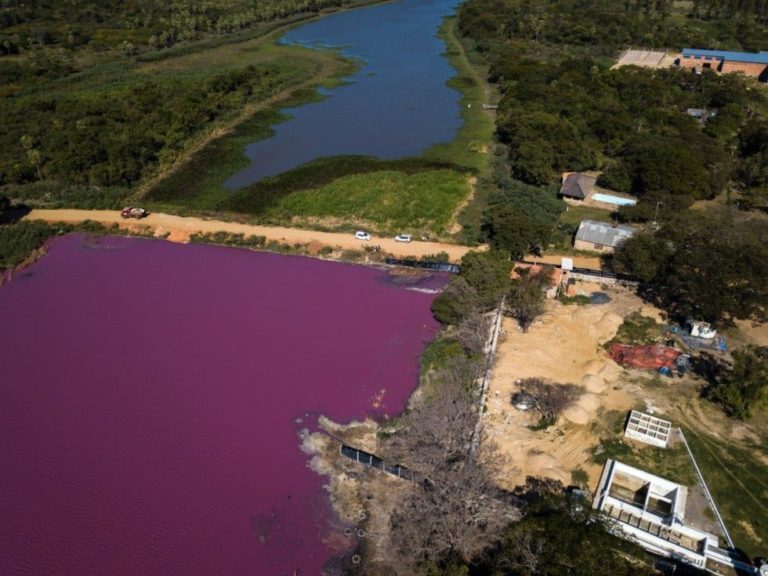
(181,228)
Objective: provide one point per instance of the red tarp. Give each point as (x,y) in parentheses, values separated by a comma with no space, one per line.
(651,357)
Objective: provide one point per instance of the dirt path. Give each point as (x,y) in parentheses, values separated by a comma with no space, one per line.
(181,228)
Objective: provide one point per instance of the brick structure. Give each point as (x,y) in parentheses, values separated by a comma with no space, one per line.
(753,64)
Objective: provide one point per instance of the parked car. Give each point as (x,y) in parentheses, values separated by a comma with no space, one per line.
(133,212)
(403,238)
(361,235)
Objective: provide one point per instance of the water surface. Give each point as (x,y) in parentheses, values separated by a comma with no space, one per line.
(151,397)
(396,105)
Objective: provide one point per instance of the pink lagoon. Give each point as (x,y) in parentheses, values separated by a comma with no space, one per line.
(152,396)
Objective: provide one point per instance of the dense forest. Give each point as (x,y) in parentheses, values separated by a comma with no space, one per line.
(564,108)
(82,119)
(130,24)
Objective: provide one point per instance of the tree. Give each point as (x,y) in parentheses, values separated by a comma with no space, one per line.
(525,300)
(456,302)
(559,537)
(488,274)
(455,510)
(709,266)
(511,231)
(473,332)
(550,397)
(742,389)
(641,257)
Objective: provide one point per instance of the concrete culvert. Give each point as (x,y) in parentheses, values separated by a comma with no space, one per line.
(356,559)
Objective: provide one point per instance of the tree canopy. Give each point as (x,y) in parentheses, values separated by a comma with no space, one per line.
(742,388)
(702,266)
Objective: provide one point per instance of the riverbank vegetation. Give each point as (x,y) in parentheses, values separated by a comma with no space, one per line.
(109,107)
(419,195)
(88,120)
(21,242)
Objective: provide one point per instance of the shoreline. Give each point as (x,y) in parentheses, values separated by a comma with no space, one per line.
(180,229)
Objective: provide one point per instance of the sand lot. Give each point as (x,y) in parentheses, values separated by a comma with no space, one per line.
(565,345)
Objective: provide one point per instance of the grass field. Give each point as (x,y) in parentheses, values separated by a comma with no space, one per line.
(387,202)
(737,476)
(473,140)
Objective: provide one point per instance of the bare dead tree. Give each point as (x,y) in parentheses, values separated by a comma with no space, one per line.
(436,433)
(473,332)
(462,515)
(550,397)
(456,509)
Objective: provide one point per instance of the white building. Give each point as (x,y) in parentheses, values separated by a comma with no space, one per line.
(649,429)
(650,511)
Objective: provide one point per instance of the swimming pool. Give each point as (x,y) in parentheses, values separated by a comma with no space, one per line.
(617,200)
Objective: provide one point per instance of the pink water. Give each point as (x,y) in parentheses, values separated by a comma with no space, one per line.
(151,396)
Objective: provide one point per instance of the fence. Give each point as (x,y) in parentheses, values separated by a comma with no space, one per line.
(373,461)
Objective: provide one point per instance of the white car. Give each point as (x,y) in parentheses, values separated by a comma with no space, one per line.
(403,238)
(360,235)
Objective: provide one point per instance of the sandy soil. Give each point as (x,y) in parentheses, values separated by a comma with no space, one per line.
(181,228)
(565,346)
(592,262)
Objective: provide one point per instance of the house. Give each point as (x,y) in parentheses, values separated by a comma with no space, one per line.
(577,185)
(650,511)
(601,236)
(754,64)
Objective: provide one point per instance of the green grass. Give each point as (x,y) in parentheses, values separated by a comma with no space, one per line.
(575,214)
(638,329)
(736,472)
(671,463)
(738,480)
(471,146)
(387,201)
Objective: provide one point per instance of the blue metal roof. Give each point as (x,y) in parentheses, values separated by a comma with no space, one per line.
(752,57)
